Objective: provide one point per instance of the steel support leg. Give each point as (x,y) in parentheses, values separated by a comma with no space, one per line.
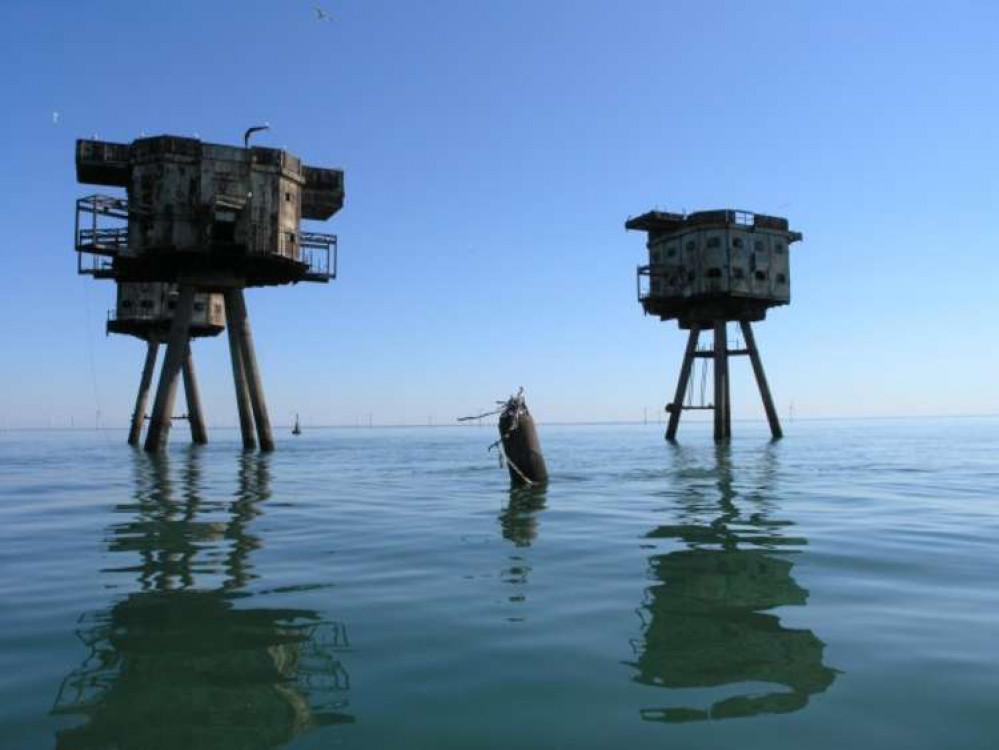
(242,325)
(761,380)
(246,427)
(195,417)
(721,379)
(676,408)
(139,415)
(176,353)
(728,393)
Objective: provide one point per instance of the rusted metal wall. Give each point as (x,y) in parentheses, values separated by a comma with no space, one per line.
(730,261)
(188,196)
(154,302)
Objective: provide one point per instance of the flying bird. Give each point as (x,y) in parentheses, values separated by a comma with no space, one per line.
(55,118)
(322,15)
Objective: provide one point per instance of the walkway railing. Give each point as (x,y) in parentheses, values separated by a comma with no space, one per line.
(99,234)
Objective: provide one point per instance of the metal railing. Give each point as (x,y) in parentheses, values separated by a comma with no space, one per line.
(672,281)
(94,240)
(319,251)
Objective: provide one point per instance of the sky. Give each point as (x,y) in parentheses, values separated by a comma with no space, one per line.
(492,152)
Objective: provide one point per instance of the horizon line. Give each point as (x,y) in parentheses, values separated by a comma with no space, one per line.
(468,425)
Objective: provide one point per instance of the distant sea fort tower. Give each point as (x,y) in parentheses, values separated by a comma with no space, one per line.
(707,269)
(208,220)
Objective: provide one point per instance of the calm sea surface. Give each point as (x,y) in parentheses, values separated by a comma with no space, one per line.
(383,588)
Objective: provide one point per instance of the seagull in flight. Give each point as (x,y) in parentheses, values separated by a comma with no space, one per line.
(322,15)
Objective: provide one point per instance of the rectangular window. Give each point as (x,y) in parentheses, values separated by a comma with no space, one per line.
(714,242)
(761,275)
(737,242)
(781,278)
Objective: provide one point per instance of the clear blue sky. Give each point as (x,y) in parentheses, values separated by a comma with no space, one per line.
(492,152)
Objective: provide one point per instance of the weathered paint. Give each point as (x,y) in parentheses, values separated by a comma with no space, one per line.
(192,197)
(154,303)
(701,265)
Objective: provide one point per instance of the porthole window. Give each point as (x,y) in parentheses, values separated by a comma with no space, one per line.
(737,242)
(781,278)
(761,275)
(714,242)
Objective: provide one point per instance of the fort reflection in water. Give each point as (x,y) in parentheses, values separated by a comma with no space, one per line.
(188,661)
(705,621)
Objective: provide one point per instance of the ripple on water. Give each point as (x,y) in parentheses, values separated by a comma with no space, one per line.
(385,588)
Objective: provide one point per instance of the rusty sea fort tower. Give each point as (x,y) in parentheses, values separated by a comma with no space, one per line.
(707,269)
(200,222)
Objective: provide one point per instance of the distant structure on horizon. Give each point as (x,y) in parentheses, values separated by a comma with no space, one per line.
(707,269)
(200,223)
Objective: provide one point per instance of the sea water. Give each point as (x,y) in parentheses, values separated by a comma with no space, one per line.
(384,588)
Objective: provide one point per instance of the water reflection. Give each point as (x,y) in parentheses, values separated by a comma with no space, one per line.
(705,621)
(186,662)
(519,524)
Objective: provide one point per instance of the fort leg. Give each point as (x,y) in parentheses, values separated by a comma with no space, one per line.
(176,353)
(676,407)
(728,394)
(139,415)
(195,418)
(721,378)
(252,372)
(246,427)
(761,380)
